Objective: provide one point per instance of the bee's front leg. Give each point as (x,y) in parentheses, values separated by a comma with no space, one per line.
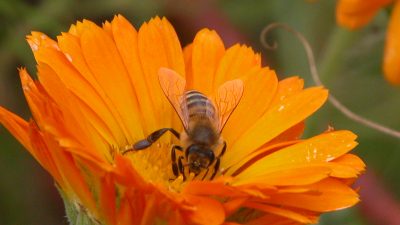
(181,168)
(175,168)
(205,174)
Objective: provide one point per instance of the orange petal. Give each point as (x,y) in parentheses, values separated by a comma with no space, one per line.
(391,60)
(85,85)
(127,211)
(356,13)
(272,219)
(28,135)
(107,199)
(125,174)
(286,88)
(347,166)
(342,171)
(237,60)
(57,83)
(18,127)
(351,161)
(290,175)
(80,27)
(322,148)
(47,116)
(207,52)
(39,102)
(149,211)
(259,89)
(208,188)
(257,155)
(279,211)
(187,55)
(107,27)
(329,194)
(87,132)
(39,40)
(206,211)
(231,223)
(43,155)
(68,176)
(232,205)
(71,174)
(276,120)
(104,60)
(294,189)
(126,40)
(289,137)
(176,218)
(257,189)
(291,134)
(158,47)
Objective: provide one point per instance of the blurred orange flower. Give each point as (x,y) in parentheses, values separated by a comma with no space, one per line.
(356,13)
(98,92)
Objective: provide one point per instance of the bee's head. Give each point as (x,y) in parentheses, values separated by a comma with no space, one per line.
(199,157)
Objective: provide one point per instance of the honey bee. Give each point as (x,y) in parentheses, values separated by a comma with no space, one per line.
(203,120)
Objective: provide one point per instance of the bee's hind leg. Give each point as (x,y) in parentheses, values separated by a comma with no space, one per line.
(217,163)
(153,137)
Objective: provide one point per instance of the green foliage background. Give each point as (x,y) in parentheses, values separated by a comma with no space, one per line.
(349,63)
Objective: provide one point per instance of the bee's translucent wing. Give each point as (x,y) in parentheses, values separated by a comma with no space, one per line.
(226,99)
(173,86)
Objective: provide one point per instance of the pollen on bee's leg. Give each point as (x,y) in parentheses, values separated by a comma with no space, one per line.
(176,184)
(191,176)
(126,149)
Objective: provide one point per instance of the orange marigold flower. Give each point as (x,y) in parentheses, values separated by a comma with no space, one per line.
(98,93)
(356,13)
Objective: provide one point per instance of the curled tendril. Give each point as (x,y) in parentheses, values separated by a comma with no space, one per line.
(315,76)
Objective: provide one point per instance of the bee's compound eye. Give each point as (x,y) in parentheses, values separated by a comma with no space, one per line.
(210,156)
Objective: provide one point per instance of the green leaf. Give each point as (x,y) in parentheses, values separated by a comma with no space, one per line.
(76,214)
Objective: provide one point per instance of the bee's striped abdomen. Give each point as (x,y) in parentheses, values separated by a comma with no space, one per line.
(199,105)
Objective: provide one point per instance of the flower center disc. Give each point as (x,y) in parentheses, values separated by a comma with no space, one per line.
(155,166)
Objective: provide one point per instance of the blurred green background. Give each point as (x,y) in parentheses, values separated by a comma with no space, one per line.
(349,63)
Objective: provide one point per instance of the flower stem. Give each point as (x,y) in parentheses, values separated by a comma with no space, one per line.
(333,57)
